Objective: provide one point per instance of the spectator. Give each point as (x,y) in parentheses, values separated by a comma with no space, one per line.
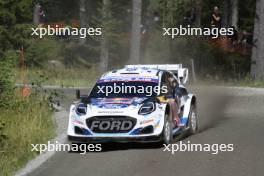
(156,17)
(216,18)
(42,15)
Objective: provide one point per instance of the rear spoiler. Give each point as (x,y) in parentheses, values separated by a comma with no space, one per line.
(181,73)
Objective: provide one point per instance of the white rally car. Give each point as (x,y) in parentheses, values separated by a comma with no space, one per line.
(156,107)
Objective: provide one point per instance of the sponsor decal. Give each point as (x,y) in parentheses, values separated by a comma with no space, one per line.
(147,121)
(116,103)
(125,78)
(110,112)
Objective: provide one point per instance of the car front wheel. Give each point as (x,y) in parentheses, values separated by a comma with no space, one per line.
(167,130)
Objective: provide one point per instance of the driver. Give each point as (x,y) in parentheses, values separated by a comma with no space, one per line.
(177,100)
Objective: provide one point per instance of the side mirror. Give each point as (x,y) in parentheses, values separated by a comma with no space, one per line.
(85,99)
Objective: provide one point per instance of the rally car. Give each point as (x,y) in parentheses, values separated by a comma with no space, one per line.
(158,107)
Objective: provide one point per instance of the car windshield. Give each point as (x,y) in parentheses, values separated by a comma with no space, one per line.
(122,89)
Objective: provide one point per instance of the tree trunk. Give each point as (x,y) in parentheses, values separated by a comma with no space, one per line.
(234,15)
(198,16)
(36,14)
(257,58)
(83,21)
(104,54)
(136,33)
(226,13)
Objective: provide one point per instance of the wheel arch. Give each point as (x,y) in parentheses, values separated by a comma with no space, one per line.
(168,111)
(192,101)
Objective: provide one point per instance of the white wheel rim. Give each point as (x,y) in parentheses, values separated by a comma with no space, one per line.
(193,123)
(167,131)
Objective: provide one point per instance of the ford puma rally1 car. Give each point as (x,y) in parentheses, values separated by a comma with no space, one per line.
(141,103)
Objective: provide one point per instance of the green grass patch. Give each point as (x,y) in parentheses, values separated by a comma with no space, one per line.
(27,121)
(66,77)
(248,82)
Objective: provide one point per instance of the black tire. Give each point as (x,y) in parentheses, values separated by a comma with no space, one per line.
(167,136)
(193,121)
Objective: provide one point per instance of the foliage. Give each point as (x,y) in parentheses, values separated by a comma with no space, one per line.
(39,52)
(3,135)
(171,12)
(24,121)
(247,15)
(59,10)
(27,121)
(6,78)
(14,17)
(112,25)
(65,77)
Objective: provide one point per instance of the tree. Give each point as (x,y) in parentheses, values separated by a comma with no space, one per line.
(36,14)
(234,13)
(226,13)
(83,21)
(257,58)
(85,13)
(104,52)
(198,13)
(136,33)
(14,24)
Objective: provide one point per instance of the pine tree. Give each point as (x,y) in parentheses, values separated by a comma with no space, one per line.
(257,59)
(135,38)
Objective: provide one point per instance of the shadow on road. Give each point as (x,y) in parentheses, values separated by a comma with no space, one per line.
(116,146)
(127,146)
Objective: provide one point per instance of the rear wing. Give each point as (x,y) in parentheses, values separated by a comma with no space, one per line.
(181,73)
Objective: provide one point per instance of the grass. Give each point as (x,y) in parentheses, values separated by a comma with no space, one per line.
(68,77)
(28,121)
(250,83)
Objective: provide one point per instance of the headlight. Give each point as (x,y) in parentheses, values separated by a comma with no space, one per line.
(81,109)
(147,108)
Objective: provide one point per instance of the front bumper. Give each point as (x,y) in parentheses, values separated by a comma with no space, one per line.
(148,128)
(141,139)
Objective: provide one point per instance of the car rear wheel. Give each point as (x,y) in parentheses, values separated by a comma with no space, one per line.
(167,135)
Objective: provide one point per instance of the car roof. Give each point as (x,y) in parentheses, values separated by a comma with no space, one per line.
(127,74)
